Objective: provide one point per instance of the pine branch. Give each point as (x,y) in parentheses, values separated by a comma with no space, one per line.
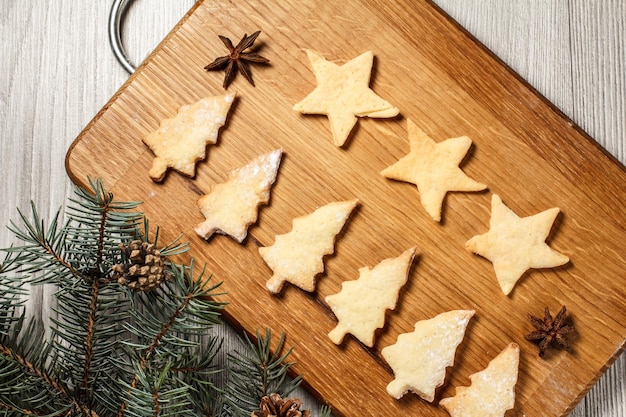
(258,372)
(97,225)
(28,385)
(78,259)
(91,329)
(41,251)
(113,350)
(11,296)
(154,394)
(185,309)
(261,375)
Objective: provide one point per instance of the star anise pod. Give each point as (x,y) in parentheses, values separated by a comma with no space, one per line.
(237,59)
(550,331)
(274,406)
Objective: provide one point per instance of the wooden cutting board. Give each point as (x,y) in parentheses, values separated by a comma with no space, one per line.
(449,85)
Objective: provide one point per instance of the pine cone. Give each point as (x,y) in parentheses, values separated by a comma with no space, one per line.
(142,269)
(274,406)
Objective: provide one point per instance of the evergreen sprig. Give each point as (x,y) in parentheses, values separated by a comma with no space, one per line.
(111,350)
(258,371)
(168,326)
(11,296)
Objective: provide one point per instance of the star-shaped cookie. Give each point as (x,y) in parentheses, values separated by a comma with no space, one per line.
(343,94)
(434,168)
(516,244)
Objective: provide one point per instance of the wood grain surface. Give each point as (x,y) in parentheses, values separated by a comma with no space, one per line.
(528,152)
(57,71)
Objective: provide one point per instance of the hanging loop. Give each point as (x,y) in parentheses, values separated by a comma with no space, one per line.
(115,39)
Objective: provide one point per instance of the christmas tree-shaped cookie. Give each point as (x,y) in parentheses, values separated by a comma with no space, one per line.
(361,304)
(232,206)
(419,359)
(181,141)
(297,256)
(492,391)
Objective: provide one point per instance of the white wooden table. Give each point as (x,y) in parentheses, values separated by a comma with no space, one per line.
(57,70)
